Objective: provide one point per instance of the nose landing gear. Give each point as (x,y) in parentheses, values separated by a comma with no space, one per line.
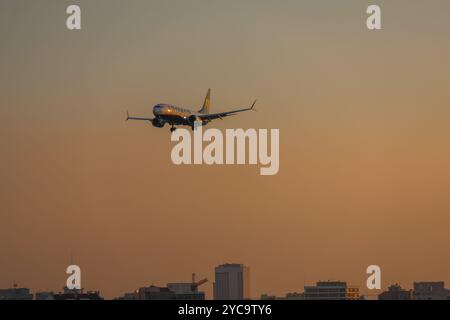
(172,129)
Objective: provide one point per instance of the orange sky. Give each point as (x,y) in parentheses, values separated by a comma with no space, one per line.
(364,150)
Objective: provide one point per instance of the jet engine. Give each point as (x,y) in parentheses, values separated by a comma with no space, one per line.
(158,123)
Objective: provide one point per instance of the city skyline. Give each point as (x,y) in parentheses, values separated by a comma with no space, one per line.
(353,291)
(227,288)
(364,172)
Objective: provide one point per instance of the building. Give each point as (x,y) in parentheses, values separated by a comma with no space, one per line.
(44,296)
(430,291)
(185,291)
(77,294)
(395,292)
(289,296)
(16,293)
(173,291)
(232,282)
(128,296)
(188,290)
(155,293)
(331,290)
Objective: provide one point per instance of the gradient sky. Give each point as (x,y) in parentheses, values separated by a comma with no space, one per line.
(364,161)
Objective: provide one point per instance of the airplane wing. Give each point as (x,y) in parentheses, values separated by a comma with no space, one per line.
(221,115)
(138,118)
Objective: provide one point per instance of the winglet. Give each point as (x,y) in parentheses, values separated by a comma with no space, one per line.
(128,116)
(251,108)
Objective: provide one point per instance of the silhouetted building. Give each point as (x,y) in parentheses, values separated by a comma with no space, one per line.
(295,296)
(155,293)
(430,291)
(188,290)
(128,296)
(185,291)
(232,282)
(331,290)
(173,291)
(395,292)
(44,296)
(77,294)
(15,294)
(289,296)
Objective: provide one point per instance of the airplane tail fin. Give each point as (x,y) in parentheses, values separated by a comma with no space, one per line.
(207,103)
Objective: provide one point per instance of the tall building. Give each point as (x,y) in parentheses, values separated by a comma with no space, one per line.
(430,291)
(232,282)
(395,292)
(331,290)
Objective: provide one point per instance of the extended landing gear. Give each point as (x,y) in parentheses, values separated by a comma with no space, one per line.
(172,129)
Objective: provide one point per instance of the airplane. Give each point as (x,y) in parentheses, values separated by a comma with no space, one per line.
(176,116)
